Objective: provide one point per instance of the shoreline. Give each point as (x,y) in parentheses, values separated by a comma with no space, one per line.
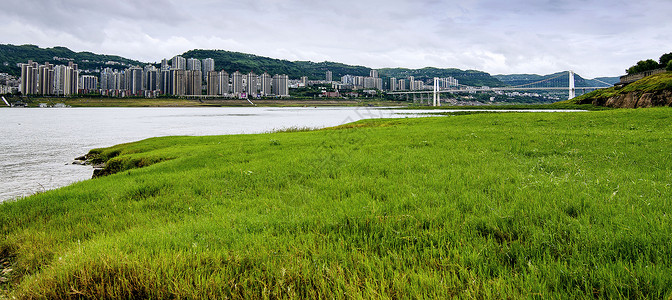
(179,102)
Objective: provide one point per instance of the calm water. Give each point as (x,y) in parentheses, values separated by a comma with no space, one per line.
(37,146)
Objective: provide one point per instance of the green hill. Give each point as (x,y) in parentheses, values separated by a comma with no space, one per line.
(654,90)
(468,77)
(11,55)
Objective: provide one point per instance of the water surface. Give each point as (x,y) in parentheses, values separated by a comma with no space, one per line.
(37,146)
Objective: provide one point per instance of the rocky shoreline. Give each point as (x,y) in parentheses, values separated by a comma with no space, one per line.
(636,99)
(88,160)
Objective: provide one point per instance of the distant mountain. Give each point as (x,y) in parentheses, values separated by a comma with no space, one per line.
(469,77)
(562,77)
(610,80)
(11,55)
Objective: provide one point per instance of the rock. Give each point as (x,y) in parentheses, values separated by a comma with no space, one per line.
(636,100)
(83,158)
(98,172)
(79,162)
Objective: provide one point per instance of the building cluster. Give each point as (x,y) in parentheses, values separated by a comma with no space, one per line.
(361,82)
(177,77)
(190,77)
(49,79)
(411,84)
(180,76)
(8,84)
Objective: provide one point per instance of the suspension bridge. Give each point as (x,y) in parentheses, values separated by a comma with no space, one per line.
(548,84)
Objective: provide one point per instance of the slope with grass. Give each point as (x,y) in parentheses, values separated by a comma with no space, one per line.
(510,205)
(654,90)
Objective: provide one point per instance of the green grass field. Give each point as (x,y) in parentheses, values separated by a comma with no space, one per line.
(499,205)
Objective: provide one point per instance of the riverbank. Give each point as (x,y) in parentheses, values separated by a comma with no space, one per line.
(182,102)
(570,205)
(650,91)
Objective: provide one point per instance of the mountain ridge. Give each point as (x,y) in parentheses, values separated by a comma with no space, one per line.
(230,61)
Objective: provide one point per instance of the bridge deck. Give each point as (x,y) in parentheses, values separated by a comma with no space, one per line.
(494,89)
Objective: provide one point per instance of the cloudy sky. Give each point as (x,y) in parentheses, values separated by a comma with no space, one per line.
(592,37)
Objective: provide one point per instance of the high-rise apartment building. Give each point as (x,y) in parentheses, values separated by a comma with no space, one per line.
(401,84)
(165,82)
(223,86)
(71,80)
(88,83)
(46,79)
(194,82)
(373,73)
(178,63)
(134,80)
(266,84)
(212,83)
(237,83)
(29,78)
(151,78)
(194,64)
(178,82)
(393,84)
(328,76)
(164,65)
(208,64)
(281,85)
(251,86)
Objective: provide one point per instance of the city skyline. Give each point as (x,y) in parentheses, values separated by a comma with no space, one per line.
(595,38)
(180,76)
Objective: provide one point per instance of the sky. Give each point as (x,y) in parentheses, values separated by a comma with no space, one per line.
(595,38)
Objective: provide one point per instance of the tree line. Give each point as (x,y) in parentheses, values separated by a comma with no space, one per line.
(665,61)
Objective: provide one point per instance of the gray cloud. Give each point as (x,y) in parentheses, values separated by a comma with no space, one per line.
(593,37)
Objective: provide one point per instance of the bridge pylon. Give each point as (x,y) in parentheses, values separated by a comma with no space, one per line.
(572,89)
(437,100)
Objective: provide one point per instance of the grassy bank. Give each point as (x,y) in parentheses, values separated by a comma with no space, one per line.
(512,205)
(649,84)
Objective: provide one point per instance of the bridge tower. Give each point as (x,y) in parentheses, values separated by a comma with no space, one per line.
(437,100)
(572,89)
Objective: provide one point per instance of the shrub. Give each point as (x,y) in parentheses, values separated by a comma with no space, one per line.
(665,59)
(642,66)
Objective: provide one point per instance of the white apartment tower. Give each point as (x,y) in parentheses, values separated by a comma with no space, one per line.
(281,85)
(194,64)
(237,83)
(251,85)
(178,63)
(266,84)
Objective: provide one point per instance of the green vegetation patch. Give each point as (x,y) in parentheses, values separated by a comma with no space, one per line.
(649,84)
(534,205)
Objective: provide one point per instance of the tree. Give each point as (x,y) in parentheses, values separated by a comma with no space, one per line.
(665,58)
(643,65)
(669,66)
